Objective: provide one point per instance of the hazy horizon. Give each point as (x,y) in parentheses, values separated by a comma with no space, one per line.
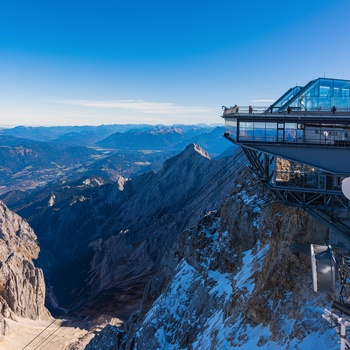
(97,125)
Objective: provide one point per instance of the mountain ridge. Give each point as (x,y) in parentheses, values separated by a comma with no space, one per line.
(109,223)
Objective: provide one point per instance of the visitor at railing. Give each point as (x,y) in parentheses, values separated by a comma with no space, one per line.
(232,110)
(290,111)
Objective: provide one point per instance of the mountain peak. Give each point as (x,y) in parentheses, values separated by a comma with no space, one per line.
(192,152)
(193,148)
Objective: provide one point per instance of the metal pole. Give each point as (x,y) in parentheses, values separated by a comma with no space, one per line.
(342,336)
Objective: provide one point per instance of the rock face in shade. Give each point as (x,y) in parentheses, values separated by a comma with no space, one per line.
(22,287)
(109,240)
(109,338)
(232,281)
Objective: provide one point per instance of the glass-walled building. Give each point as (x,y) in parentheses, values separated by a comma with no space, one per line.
(300,148)
(321,95)
(298,124)
(303,115)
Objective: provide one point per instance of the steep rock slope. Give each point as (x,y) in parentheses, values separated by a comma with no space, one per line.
(22,287)
(232,281)
(106,246)
(34,203)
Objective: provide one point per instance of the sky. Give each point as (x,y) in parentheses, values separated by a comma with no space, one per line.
(73,62)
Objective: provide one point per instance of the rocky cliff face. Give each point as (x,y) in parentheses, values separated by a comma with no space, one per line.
(22,287)
(232,281)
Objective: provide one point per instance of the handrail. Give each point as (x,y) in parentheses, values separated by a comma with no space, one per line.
(244,109)
(341,116)
(293,141)
(264,110)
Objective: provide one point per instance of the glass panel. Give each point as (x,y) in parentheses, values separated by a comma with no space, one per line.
(246,131)
(345,92)
(287,96)
(271,132)
(231,128)
(259,131)
(296,175)
(300,136)
(311,180)
(280,135)
(231,123)
(321,182)
(316,90)
(324,91)
(290,132)
(322,94)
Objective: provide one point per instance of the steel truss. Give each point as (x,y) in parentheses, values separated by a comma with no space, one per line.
(327,204)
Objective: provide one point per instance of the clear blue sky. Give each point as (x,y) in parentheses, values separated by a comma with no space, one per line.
(69,62)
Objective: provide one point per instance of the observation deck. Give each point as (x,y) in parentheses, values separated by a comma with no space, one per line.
(319,139)
(300,147)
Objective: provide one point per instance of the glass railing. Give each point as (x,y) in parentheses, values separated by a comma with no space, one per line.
(231,128)
(294,133)
(308,179)
(244,110)
(310,108)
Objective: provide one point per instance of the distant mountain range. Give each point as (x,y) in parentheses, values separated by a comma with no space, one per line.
(31,158)
(159,138)
(84,134)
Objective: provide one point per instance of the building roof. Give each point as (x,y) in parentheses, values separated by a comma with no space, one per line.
(318,95)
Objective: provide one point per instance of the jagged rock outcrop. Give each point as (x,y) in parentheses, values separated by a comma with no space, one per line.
(22,287)
(232,281)
(108,339)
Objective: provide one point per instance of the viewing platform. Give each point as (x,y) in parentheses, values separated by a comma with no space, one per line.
(298,128)
(300,147)
(296,136)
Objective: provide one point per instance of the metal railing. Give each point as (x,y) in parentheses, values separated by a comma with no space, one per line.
(244,109)
(266,110)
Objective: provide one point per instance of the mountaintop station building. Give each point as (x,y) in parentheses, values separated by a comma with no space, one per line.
(300,148)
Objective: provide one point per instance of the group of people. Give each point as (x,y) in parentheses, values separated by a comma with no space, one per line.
(235,109)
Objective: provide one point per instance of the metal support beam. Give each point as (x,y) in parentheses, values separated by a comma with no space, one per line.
(340,323)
